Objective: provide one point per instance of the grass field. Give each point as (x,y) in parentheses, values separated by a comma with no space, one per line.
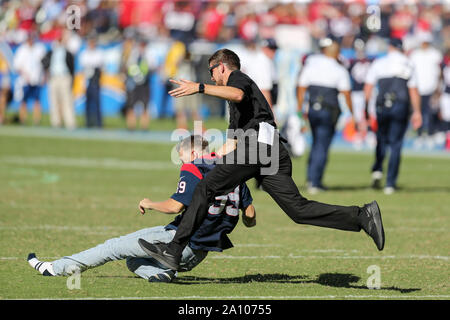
(61,195)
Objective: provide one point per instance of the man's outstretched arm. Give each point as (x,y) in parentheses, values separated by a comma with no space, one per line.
(187,88)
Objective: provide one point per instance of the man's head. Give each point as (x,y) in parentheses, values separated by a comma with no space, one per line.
(269,47)
(329,47)
(395,44)
(221,64)
(425,39)
(192,147)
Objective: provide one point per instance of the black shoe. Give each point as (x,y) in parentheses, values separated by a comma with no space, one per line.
(372,224)
(160,252)
(167,276)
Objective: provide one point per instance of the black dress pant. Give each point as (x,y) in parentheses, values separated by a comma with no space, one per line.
(225,177)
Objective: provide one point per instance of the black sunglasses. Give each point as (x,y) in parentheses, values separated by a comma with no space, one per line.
(212,68)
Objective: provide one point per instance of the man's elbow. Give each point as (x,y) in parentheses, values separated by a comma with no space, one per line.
(238,96)
(176,209)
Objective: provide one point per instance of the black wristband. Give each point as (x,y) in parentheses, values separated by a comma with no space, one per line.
(201,88)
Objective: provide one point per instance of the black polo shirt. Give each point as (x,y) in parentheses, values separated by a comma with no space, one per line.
(253,108)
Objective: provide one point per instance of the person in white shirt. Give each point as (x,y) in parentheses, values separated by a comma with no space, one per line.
(445,98)
(59,64)
(28,65)
(395,77)
(257,62)
(267,71)
(91,61)
(426,60)
(139,67)
(323,78)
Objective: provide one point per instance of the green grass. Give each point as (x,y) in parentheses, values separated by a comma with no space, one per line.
(118,122)
(57,198)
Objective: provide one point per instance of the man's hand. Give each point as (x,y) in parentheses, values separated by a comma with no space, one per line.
(228,147)
(416,120)
(145,204)
(249,216)
(186,88)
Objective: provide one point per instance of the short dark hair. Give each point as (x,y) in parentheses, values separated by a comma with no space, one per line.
(227,57)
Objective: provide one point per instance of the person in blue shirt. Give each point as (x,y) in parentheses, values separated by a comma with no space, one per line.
(223,215)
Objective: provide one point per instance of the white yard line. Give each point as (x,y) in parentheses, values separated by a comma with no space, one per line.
(340,257)
(88,134)
(104,163)
(63,228)
(305,257)
(103,228)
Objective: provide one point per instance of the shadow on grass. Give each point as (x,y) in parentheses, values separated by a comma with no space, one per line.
(337,280)
(431,189)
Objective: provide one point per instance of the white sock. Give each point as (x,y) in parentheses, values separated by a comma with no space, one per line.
(45,268)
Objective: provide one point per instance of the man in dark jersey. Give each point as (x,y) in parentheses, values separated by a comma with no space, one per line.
(252,139)
(221,218)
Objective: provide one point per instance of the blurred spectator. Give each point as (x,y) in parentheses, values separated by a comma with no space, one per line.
(257,62)
(267,66)
(176,52)
(91,62)
(427,60)
(139,68)
(445,97)
(396,80)
(248,27)
(228,23)
(317,16)
(268,22)
(187,107)
(211,21)
(28,65)
(179,19)
(26,14)
(340,24)
(126,49)
(102,18)
(401,21)
(357,68)
(386,11)
(323,77)
(5,86)
(59,63)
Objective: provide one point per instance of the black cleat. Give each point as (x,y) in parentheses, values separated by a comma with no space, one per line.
(372,224)
(161,254)
(167,276)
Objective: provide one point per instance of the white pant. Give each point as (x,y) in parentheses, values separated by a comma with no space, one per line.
(61,101)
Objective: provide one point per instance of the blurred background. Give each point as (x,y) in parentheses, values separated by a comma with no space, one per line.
(103,63)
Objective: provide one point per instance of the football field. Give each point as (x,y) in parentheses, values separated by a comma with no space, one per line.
(60,195)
